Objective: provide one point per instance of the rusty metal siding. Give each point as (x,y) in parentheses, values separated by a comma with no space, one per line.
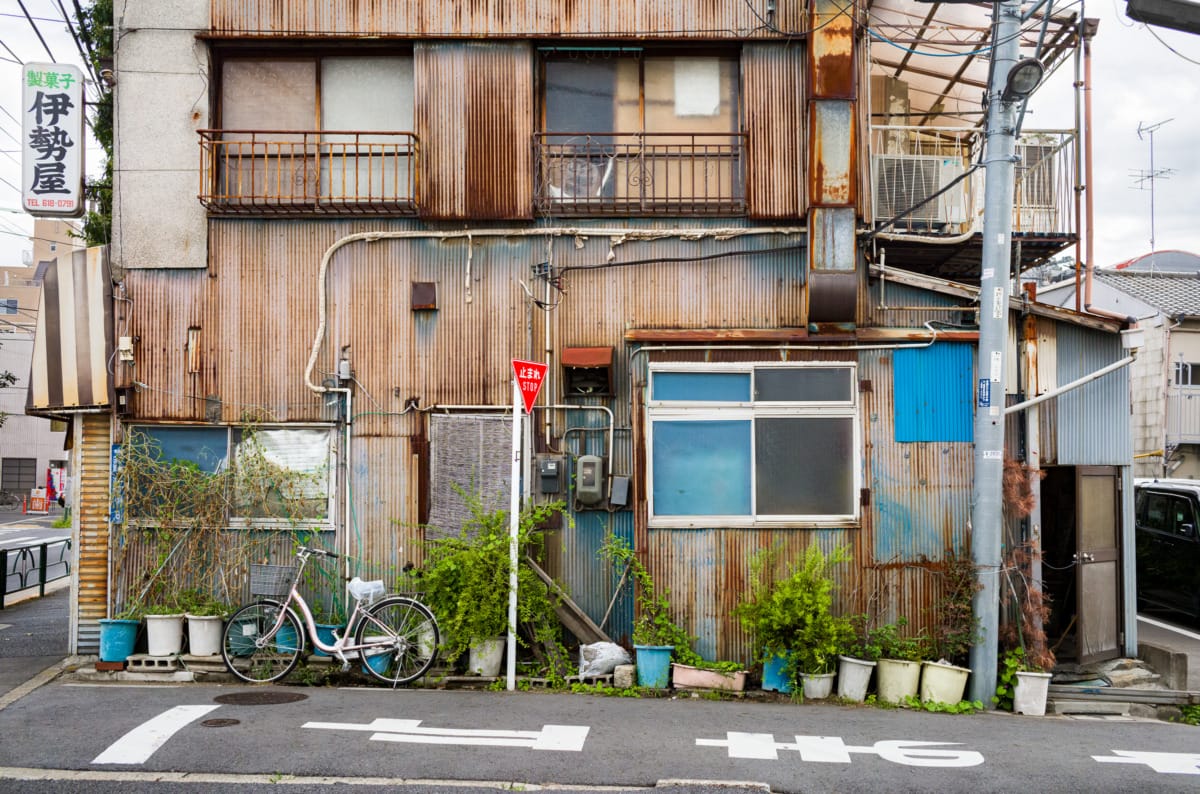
(474,118)
(1093,420)
(706,19)
(92,544)
(385,533)
(592,580)
(773,93)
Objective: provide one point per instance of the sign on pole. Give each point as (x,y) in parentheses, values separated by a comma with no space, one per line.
(527,382)
(530,375)
(52,146)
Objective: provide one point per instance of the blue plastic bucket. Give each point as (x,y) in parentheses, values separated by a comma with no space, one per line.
(117,638)
(653,665)
(286,640)
(775,674)
(377,661)
(325,634)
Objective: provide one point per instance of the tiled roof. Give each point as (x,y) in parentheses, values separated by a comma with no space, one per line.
(1173,293)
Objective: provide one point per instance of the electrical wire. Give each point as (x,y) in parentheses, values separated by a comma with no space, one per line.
(1171,49)
(682,259)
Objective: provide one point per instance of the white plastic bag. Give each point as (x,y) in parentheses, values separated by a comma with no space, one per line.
(601,658)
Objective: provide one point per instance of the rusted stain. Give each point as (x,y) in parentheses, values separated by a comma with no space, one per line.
(833,72)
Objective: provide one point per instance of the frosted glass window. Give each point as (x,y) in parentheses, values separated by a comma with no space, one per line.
(805,384)
(702,468)
(268,95)
(794,465)
(367,94)
(702,386)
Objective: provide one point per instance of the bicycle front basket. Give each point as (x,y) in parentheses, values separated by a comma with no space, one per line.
(271,580)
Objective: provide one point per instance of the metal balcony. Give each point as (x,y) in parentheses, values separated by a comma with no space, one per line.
(613,173)
(289,172)
(1183,415)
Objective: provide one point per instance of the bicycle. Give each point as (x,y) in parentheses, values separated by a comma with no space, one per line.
(9,501)
(396,638)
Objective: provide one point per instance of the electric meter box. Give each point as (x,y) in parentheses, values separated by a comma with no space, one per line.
(589,479)
(549,474)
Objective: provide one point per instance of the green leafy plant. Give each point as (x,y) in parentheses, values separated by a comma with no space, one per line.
(955,628)
(201,604)
(935,707)
(723,667)
(891,643)
(1191,714)
(1010,664)
(654,624)
(792,613)
(466,582)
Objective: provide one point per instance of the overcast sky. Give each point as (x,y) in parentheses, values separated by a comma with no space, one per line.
(1137,80)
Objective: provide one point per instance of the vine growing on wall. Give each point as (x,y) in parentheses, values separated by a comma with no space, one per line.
(193,529)
(95,23)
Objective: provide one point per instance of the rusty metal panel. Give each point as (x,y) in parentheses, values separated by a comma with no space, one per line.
(709,19)
(920,491)
(832,154)
(474,118)
(93,438)
(773,93)
(894,305)
(385,533)
(832,55)
(591,579)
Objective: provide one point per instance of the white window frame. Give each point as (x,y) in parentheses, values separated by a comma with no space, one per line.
(235,521)
(708,410)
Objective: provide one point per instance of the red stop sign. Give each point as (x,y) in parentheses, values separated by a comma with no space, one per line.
(530,375)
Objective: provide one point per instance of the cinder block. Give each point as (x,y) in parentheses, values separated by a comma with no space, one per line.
(625,676)
(145,663)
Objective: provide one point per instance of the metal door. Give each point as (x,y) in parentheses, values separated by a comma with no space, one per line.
(1098,563)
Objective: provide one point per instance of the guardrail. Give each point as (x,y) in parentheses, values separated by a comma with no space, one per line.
(48,560)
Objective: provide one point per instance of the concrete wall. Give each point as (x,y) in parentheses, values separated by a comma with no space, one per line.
(162,99)
(1146,386)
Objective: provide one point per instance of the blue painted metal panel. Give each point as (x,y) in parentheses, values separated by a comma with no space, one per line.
(1093,420)
(934,393)
(592,580)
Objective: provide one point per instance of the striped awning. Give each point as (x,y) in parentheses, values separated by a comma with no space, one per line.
(74,340)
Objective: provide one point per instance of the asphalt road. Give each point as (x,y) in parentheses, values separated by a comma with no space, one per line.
(538,738)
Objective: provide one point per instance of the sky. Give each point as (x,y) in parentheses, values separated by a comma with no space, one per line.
(1141,77)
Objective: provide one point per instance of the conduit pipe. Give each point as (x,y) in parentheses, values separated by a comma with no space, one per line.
(1075,384)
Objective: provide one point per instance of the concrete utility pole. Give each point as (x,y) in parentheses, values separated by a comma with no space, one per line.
(986,515)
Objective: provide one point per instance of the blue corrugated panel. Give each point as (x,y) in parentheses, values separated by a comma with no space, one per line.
(1093,420)
(934,393)
(589,578)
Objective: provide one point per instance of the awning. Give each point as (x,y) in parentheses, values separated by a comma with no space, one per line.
(74,341)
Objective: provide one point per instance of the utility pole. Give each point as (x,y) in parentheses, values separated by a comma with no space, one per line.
(1142,177)
(1007,89)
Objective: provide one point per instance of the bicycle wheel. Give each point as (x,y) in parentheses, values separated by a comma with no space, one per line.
(251,652)
(407,637)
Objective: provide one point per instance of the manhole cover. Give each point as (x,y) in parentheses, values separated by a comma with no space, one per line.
(266,698)
(220,723)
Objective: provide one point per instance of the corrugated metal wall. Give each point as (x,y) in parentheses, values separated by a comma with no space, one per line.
(935,411)
(706,19)
(474,118)
(1093,421)
(773,95)
(92,456)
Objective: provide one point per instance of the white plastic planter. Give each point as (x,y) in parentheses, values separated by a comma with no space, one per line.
(943,683)
(1029,695)
(897,679)
(854,676)
(164,635)
(817,686)
(204,634)
(485,657)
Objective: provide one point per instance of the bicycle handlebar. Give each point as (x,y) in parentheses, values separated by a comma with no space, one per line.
(317,552)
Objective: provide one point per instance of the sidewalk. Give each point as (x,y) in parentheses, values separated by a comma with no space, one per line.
(33,636)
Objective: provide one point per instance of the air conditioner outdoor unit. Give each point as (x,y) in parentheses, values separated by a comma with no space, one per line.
(902,181)
(1035,175)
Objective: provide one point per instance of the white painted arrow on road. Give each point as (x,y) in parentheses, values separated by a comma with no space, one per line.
(568,738)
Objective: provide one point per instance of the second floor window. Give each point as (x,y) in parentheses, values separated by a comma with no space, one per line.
(1187,373)
(317,131)
(630,131)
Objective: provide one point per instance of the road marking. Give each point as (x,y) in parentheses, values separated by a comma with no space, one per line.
(1165,763)
(4,626)
(569,738)
(1169,627)
(832,750)
(19,540)
(143,741)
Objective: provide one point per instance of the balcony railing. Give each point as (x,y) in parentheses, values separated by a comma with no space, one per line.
(911,164)
(308,172)
(1183,415)
(640,173)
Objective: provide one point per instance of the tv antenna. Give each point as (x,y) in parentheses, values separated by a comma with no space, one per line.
(1142,178)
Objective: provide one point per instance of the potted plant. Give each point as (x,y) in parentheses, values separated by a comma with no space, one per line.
(955,629)
(657,639)
(466,583)
(164,623)
(205,619)
(898,669)
(118,634)
(792,622)
(708,675)
(857,662)
(1024,679)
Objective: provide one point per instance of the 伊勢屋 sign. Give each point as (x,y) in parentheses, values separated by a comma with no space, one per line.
(52,142)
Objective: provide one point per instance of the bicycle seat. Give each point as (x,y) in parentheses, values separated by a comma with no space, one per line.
(365,591)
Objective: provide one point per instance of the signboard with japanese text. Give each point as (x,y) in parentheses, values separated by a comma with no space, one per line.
(530,375)
(52,140)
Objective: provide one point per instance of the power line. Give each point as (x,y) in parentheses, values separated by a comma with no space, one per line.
(37,32)
(10,52)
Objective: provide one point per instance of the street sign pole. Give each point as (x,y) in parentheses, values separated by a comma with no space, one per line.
(527,382)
